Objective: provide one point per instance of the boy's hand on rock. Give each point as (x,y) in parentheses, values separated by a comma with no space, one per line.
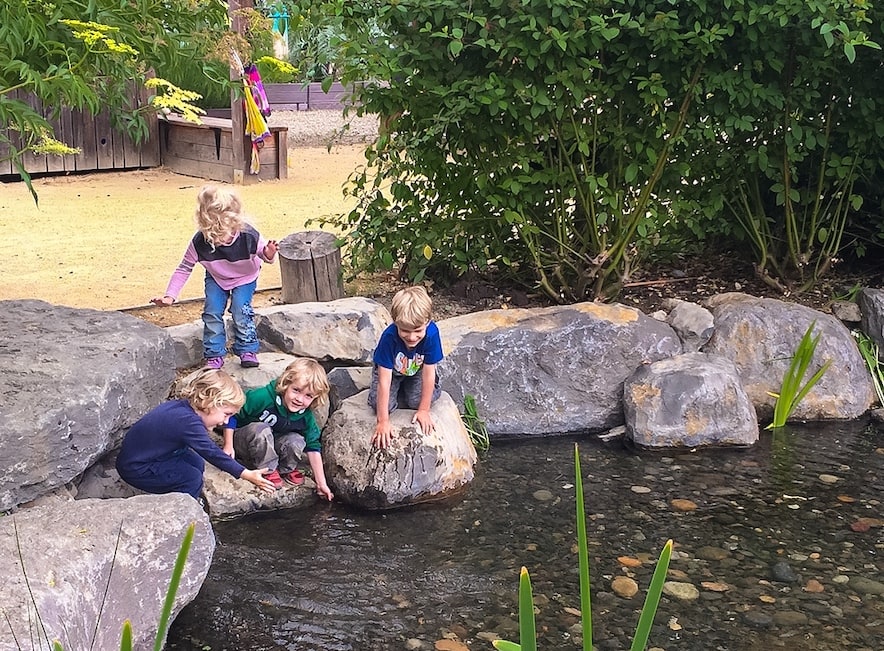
(423,418)
(383,434)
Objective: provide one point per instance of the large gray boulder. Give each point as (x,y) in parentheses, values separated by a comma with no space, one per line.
(761,335)
(71,382)
(414,468)
(69,567)
(550,370)
(871,305)
(690,400)
(344,331)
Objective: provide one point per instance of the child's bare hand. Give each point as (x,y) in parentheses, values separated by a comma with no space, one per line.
(422,417)
(163,301)
(257,478)
(383,434)
(324,491)
(270,249)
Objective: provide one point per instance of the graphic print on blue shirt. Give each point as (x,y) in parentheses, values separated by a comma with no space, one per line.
(391,352)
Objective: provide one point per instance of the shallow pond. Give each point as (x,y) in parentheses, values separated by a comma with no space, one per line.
(771,549)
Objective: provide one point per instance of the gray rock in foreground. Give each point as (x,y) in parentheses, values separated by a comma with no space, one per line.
(67,552)
(71,380)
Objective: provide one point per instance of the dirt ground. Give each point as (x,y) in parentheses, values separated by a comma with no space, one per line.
(111,240)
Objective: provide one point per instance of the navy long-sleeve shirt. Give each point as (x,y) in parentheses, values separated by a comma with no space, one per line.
(168,430)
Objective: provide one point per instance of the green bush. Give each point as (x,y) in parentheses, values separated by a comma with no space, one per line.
(560,140)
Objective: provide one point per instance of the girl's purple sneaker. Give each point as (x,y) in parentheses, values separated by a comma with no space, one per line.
(215,362)
(248,360)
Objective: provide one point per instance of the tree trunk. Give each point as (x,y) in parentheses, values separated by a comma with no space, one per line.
(310,266)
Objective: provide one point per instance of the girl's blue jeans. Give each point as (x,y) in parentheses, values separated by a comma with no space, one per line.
(245,339)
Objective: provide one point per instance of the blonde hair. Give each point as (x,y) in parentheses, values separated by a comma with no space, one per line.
(218,214)
(210,387)
(412,307)
(307,373)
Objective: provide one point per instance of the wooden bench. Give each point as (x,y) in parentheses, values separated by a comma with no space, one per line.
(206,150)
(287,97)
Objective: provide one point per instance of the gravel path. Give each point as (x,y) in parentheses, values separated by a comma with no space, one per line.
(325,128)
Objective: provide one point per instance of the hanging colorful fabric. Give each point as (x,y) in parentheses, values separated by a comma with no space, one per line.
(256,127)
(257,86)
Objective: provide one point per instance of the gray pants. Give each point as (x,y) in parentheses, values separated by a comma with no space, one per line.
(255,446)
(405,390)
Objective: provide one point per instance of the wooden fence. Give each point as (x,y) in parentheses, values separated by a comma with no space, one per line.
(101,147)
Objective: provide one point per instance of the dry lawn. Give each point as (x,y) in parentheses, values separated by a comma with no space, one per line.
(111,240)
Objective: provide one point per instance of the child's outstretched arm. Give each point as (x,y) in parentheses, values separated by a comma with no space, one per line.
(322,489)
(383,432)
(422,416)
(179,277)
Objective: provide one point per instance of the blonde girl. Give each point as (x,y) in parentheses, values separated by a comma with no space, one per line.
(165,451)
(231,250)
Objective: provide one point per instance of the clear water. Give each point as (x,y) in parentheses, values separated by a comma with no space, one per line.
(328,578)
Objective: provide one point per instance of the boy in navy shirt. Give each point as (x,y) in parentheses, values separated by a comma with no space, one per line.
(404,372)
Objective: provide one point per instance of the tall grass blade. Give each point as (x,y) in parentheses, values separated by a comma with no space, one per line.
(652,600)
(791,391)
(126,638)
(21,559)
(869,351)
(475,426)
(104,594)
(527,627)
(178,570)
(583,556)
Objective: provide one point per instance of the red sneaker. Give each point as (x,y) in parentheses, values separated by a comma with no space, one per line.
(274,478)
(295,477)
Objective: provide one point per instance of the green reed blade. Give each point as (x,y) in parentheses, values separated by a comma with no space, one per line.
(791,391)
(177,571)
(652,600)
(582,556)
(504,645)
(527,628)
(126,639)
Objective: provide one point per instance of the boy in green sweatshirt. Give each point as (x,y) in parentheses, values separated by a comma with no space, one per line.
(276,426)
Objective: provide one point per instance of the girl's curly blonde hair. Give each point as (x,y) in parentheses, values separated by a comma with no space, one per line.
(208,388)
(218,214)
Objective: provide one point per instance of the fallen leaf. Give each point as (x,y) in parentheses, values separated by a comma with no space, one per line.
(683,505)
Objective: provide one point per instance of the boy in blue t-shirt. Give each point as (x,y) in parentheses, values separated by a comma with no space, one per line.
(404,372)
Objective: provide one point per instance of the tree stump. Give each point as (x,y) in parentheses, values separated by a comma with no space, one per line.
(310,266)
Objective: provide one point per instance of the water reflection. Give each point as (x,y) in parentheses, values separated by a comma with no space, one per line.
(332,579)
